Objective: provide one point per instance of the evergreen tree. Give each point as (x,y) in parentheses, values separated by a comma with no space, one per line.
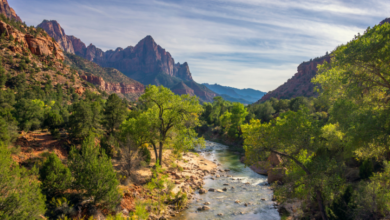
(55,177)
(114,113)
(94,174)
(85,118)
(20,194)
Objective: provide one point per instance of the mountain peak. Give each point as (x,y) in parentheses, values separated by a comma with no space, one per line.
(9,12)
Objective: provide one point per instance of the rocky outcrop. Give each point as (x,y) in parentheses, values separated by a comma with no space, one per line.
(40,45)
(9,12)
(54,29)
(114,87)
(386,20)
(79,47)
(300,84)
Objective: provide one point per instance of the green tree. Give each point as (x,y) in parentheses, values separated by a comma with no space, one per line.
(294,136)
(238,114)
(169,119)
(94,174)
(55,177)
(114,113)
(85,118)
(20,193)
(29,113)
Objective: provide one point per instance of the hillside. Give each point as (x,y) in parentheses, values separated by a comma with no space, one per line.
(245,96)
(109,80)
(146,62)
(300,84)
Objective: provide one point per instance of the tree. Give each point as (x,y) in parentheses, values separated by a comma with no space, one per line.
(294,136)
(20,194)
(85,118)
(169,118)
(94,174)
(114,113)
(55,177)
(30,113)
(237,117)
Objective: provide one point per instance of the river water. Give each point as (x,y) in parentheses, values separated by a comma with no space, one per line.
(243,185)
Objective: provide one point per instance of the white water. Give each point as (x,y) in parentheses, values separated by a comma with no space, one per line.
(224,203)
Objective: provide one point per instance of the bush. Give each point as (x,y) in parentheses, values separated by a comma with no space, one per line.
(145,153)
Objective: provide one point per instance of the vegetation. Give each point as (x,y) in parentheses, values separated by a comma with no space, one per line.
(323,139)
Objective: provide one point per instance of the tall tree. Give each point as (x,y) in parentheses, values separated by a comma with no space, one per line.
(114,113)
(168,118)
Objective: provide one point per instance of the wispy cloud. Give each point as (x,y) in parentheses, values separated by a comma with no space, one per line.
(240,43)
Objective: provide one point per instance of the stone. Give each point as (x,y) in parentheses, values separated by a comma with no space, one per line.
(202,191)
(219,190)
(217,176)
(262,199)
(206,203)
(204,208)
(261,167)
(237,201)
(220,214)
(211,190)
(226,184)
(124,88)
(9,12)
(224,189)
(274,159)
(246,204)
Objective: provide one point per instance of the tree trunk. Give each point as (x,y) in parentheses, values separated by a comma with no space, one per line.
(321,205)
(161,147)
(155,152)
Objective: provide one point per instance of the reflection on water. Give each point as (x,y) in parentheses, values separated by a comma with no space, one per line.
(244,185)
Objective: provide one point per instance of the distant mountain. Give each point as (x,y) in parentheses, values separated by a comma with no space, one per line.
(300,84)
(147,62)
(245,96)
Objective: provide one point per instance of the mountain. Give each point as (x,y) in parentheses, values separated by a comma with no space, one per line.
(109,80)
(245,96)
(7,11)
(300,84)
(147,62)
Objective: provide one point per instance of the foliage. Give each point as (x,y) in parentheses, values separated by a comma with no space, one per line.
(20,194)
(55,177)
(94,174)
(114,113)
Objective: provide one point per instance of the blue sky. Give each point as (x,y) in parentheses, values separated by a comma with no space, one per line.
(240,43)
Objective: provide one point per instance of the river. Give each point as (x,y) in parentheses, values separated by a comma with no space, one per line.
(244,185)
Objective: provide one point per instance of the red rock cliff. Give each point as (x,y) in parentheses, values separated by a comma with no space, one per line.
(54,29)
(114,87)
(9,12)
(300,84)
(40,45)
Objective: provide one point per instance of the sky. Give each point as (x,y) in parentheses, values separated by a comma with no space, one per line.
(240,43)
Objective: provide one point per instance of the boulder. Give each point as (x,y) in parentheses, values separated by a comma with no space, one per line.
(274,159)
(202,191)
(261,167)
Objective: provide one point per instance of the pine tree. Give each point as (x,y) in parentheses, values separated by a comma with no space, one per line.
(55,177)
(94,174)
(114,113)
(20,194)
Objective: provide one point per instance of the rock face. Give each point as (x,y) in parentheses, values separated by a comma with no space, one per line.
(114,87)
(387,20)
(276,174)
(147,62)
(300,84)
(9,12)
(40,45)
(54,29)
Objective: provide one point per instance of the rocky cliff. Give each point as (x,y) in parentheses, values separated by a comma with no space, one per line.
(147,62)
(114,87)
(9,12)
(54,29)
(300,84)
(41,45)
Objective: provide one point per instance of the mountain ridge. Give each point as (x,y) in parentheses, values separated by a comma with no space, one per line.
(245,96)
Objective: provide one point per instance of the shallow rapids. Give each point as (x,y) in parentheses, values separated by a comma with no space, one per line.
(244,185)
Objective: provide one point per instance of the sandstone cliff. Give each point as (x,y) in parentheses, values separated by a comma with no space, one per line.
(41,45)
(9,12)
(54,29)
(300,84)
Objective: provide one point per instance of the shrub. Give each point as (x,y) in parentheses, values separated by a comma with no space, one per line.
(145,153)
